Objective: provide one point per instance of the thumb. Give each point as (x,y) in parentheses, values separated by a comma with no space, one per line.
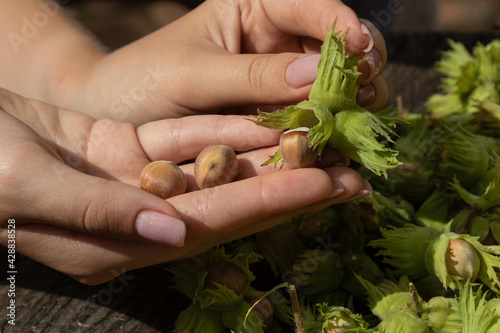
(77,201)
(255,79)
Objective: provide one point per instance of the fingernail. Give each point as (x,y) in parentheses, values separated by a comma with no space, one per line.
(302,71)
(366,31)
(366,191)
(344,162)
(374,62)
(160,228)
(338,188)
(365,95)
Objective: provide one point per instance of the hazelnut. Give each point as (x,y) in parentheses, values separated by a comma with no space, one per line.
(296,150)
(264,309)
(462,260)
(163,178)
(227,274)
(215,165)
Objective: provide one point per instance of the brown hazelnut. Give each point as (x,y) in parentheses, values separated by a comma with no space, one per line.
(227,274)
(462,260)
(215,165)
(264,309)
(296,150)
(163,178)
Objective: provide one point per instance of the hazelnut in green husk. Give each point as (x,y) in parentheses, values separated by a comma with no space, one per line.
(476,316)
(404,248)
(315,272)
(332,115)
(387,296)
(435,210)
(462,260)
(466,156)
(296,149)
(263,308)
(493,306)
(487,195)
(196,319)
(225,273)
(399,321)
(442,315)
(338,319)
(456,258)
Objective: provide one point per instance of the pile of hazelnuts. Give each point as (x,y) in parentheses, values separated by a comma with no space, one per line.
(217,165)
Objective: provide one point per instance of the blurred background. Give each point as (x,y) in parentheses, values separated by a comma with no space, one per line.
(118,22)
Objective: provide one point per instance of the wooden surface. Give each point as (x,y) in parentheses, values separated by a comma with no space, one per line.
(141,301)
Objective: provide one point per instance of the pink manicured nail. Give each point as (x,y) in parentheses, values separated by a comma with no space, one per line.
(338,188)
(366,31)
(366,95)
(160,228)
(374,61)
(366,191)
(302,71)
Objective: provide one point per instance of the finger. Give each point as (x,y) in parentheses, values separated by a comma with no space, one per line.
(250,164)
(380,95)
(50,192)
(304,18)
(183,139)
(376,58)
(248,201)
(264,204)
(105,148)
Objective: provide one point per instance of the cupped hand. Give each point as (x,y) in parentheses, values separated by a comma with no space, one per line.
(225,55)
(71,184)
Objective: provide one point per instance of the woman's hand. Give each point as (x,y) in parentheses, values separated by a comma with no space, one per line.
(227,54)
(70,182)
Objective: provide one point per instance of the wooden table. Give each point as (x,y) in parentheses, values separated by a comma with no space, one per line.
(142,301)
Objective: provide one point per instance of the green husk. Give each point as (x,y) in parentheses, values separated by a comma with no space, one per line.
(333,116)
(468,79)
(404,248)
(442,315)
(196,319)
(387,296)
(467,156)
(338,319)
(435,210)
(315,272)
(475,315)
(488,196)
(403,321)
(488,256)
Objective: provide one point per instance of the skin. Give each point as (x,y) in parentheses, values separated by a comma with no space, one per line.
(240,47)
(79,201)
(77,197)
